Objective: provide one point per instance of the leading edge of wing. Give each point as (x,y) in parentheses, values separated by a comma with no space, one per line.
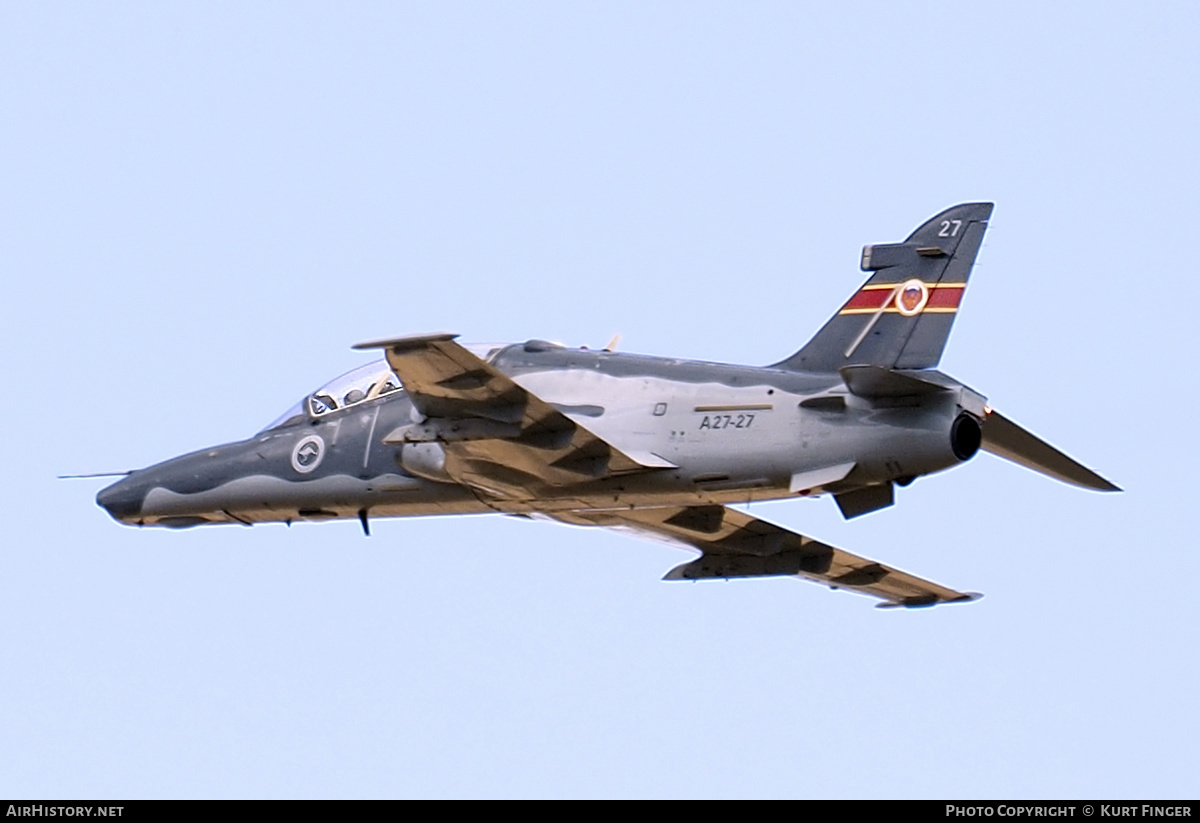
(735,544)
(498,436)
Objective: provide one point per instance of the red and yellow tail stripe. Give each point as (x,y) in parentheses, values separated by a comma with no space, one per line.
(943,299)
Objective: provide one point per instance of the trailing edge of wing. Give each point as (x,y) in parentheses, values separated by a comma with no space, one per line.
(1006,439)
(735,544)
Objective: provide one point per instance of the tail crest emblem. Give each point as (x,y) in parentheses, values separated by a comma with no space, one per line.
(912,298)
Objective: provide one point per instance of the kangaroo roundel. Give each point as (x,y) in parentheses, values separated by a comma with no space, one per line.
(308,453)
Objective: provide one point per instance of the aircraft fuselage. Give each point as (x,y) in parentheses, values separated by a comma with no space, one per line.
(723,433)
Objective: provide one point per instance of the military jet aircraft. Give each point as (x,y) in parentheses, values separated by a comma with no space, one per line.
(657,446)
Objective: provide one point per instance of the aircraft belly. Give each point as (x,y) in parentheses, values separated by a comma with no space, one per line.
(264,498)
(640,499)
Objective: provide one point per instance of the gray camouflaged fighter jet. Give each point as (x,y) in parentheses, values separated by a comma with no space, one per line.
(654,445)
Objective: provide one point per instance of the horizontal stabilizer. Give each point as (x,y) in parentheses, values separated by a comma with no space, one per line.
(874,382)
(1006,439)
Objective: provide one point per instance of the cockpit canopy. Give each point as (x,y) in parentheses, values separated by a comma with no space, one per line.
(359,385)
(367,382)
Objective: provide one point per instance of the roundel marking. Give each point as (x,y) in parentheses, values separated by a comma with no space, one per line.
(308,454)
(912,297)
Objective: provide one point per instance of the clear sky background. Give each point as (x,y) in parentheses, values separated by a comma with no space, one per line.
(202,206)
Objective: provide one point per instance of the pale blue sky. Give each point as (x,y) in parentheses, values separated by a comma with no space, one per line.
(203,206)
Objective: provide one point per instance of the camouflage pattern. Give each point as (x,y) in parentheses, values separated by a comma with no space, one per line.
(659,446)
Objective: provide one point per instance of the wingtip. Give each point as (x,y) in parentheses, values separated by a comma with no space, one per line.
(409,341)
(926,602)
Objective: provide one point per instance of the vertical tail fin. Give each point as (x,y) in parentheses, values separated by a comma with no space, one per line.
(900,318)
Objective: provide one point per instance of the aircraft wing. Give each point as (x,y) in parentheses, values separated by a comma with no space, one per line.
(735,544)
(497,437)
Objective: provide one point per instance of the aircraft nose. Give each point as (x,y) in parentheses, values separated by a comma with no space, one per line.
(123,499)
